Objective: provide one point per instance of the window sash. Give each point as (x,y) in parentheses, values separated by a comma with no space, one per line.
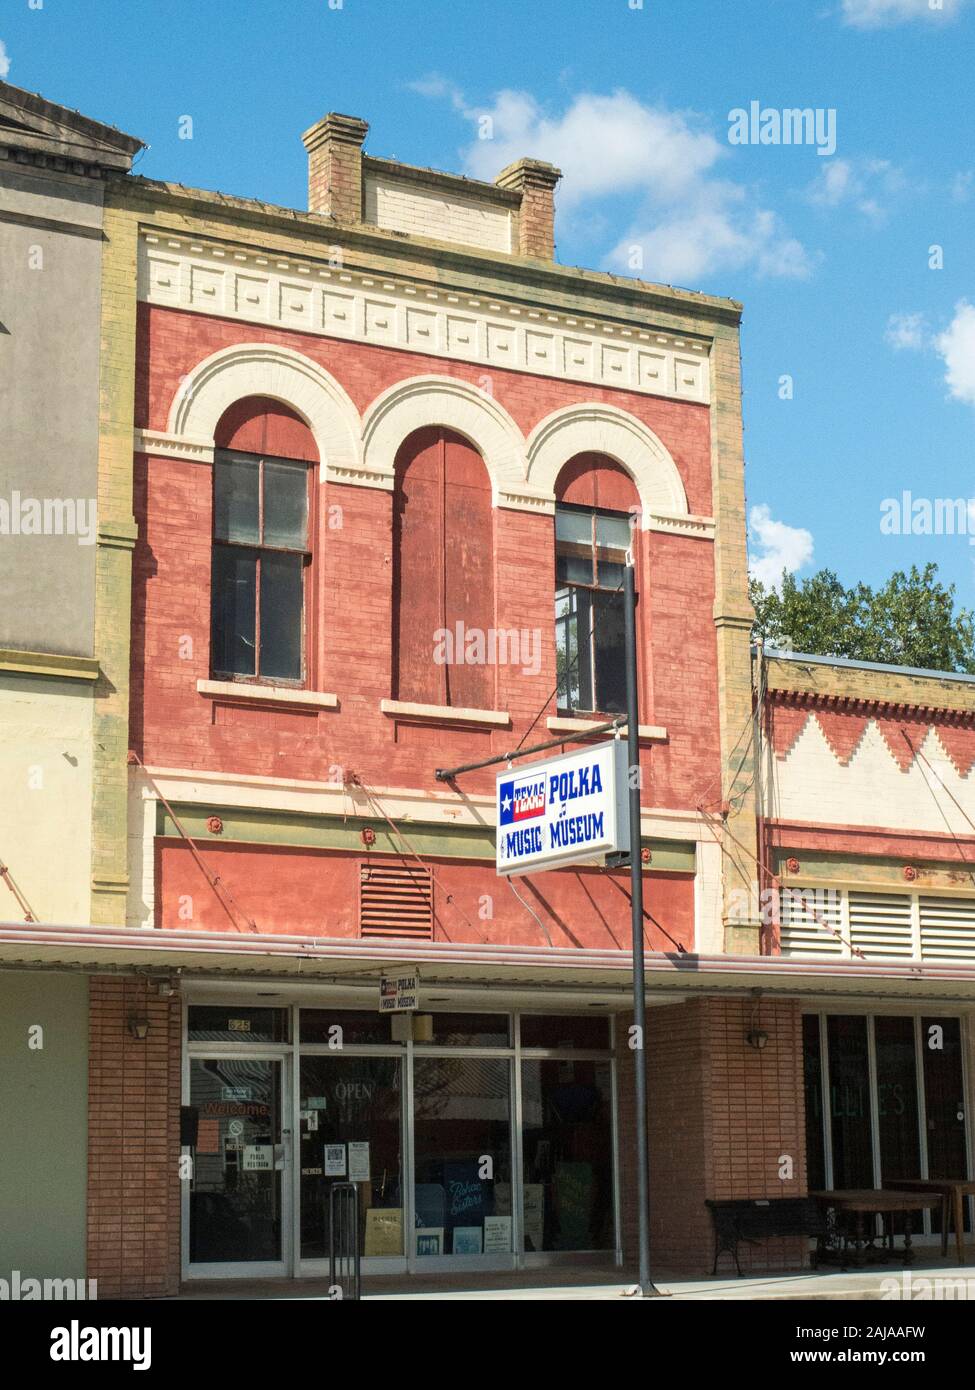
(588,688)
(269,570)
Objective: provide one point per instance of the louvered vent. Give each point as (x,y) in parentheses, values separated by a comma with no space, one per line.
(880,924)
(395,900)
(805,915)
(947,928)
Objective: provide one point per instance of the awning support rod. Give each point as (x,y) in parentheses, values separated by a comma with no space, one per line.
(447,774)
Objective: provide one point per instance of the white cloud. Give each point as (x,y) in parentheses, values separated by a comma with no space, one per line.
(690,223)
(957,348)
(861,183)
(714,228)
(437,86)
(603,145)
(905,331)
(4,60)
(774,547)
(877,14)
(961,186)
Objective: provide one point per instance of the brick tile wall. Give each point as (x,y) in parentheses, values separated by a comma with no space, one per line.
(133,1141)
(721,1117)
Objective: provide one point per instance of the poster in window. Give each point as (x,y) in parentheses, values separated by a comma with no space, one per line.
(359,1161)
(497,1235)
(384,1231)
(429,1240)
(335,1160)
(467,1240)
(465,1192)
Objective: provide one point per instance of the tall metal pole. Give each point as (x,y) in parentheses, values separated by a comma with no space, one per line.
(638,1040)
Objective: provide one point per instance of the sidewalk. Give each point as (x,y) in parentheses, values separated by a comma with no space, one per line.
(882,1282)
(932,1276)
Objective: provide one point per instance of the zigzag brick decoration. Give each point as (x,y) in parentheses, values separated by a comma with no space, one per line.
(893,731)
(786,724)
(842,730)
(844,722)
(958,741)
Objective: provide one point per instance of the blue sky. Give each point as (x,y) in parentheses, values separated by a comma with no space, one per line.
(830,253)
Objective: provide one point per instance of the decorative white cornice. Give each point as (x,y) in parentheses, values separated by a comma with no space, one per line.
(197,787)
(162,444)
(701,527)
(337,302)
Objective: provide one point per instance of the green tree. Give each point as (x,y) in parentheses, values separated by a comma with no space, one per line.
(909,621)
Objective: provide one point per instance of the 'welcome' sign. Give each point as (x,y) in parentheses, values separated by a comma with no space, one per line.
(566,810)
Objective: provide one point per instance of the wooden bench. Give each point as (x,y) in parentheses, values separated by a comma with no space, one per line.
(758,1218)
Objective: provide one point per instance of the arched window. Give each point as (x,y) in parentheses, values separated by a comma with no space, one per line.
(596,504)
(443,579)
(261,543)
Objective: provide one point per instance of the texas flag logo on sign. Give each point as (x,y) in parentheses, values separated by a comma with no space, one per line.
(522,799)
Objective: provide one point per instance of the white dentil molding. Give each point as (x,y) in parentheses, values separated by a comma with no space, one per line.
(333,301)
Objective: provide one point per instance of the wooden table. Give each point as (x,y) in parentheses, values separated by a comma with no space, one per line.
(862,1202)
(952,1192)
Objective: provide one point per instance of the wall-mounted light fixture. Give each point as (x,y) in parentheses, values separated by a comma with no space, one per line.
(756,1036)
(138,1026)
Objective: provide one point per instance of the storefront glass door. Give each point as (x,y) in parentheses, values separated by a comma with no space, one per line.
(350,1130)
(238,1199)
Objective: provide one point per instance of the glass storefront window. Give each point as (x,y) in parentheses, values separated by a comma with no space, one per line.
(944,1108)
(471,1030)
(813,1081)
(236,1194)
(917,1074)
(216,1023)
(568,1154)
(350,1130)
(462,1155)
(900,1141)
(354,1123)
(357,1027)
(588,1033)
(849,1086)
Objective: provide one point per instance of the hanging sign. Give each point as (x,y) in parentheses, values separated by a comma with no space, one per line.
(566,810)
(399,993)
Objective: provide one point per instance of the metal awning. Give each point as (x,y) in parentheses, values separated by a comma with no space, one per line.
(252,956)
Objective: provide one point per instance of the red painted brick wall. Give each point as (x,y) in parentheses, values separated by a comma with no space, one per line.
(133,1141)
(173,726)
(299,890)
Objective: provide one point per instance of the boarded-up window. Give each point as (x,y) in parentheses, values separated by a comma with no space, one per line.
(395,900)
(443,583)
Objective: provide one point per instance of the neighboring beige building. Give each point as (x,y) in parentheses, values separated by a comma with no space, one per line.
(60,528)
(66,534)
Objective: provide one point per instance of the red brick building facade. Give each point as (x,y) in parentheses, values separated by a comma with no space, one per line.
(388,460)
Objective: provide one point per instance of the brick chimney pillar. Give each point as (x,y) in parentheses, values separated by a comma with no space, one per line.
(535,181)
(334,146)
